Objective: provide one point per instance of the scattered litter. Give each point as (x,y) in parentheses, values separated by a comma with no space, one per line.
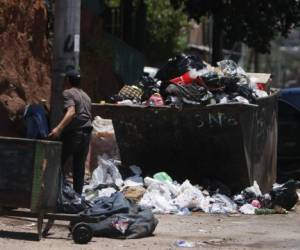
(30,225)
(247,209)
(162,176)
(93,194)
(256,203)
(222,204)
(184,211)
(183,243)
(163,195)
(214,241)
(264,211)
(134,193)
(285,195)
(106,172)
(136,179)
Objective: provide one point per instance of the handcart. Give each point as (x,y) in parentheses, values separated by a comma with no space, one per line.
(29,185)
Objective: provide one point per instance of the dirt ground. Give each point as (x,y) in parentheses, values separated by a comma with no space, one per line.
(203,230)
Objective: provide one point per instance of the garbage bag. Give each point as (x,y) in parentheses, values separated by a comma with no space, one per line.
(169,189)
(230,69)
(285,195)
(177,66)
(162,176)
(134,177)
(191,197)
(69,201)
(149,87)
(126,225)
(212,81)
(247,209)
(106,172)
(104,207)
(222,204)
(92,195)
(159,202)
(103,141)
(189,94)
(159,196)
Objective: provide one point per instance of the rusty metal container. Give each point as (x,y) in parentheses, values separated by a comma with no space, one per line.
(29,173)
(233,143)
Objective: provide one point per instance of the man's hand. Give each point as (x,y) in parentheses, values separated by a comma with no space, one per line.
(55,133)
(68,117)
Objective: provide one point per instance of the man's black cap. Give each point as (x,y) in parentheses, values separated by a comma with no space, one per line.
(73,73)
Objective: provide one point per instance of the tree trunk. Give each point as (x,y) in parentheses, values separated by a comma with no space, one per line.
(126,12)
(140,27)
(217,43)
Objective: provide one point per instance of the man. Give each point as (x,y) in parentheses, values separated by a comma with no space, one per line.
(75,127)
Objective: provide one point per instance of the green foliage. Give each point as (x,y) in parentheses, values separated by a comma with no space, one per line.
(254,22)
(166,30)
(113,3)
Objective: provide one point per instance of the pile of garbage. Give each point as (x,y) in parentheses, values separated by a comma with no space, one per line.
(184,80)
(125,202)
(163,195)
(116,216)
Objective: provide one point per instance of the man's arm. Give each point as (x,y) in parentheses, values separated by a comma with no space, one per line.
(68,117)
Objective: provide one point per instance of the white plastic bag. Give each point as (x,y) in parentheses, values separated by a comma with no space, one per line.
(136,179)
(189,196)
(222,204)
(157,202)
(254,189)
(247,209)
(106,172)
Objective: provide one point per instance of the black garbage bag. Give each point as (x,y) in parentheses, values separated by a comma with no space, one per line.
(233,88)
(149,87)
(104,207)
(285,195)
(192,94)
(212,81)
(126,225)
(177,66)
(214,186)
(174,102)
(69,201)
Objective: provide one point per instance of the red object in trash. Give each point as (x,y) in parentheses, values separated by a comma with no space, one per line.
(186,78)
(261,86)
(155,100)
(256,203)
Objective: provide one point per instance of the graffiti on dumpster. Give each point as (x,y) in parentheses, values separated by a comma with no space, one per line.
(214,120)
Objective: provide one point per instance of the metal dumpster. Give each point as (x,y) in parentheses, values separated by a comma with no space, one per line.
(29,171)
(233,143)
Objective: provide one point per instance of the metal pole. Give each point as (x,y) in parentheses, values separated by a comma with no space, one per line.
(66,50)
